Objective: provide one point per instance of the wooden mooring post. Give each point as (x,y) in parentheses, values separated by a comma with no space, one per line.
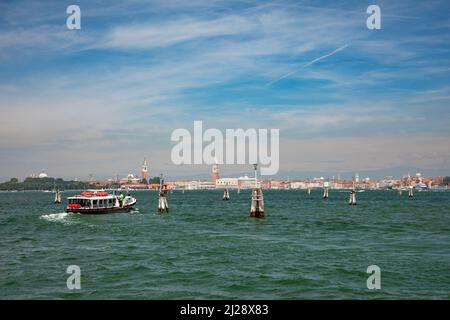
(257,206)
(163,205)
(352,200)
(410,192)
(226,195)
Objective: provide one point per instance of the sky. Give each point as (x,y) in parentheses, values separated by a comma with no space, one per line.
(345,98)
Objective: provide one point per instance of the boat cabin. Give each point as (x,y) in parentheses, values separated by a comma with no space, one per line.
(92,200)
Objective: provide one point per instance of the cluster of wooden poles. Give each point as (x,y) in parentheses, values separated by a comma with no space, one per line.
(352,198)
(163,204)
(257,204)
(256,208)
(257,200)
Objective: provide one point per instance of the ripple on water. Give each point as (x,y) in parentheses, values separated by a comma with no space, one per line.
(207,248)
(56,217)
(70,219)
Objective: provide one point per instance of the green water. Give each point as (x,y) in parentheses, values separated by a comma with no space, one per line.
(206,248)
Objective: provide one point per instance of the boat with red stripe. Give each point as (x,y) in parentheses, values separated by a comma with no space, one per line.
(99,202)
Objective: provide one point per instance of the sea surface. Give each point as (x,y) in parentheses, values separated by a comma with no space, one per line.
(206,248)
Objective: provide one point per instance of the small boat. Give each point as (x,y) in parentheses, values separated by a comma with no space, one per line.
(99,202)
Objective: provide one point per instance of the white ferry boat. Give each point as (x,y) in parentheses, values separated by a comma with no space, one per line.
(98,202)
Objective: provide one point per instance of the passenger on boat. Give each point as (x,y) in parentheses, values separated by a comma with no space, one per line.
(121,197)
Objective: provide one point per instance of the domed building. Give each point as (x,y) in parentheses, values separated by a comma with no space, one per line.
(43,174)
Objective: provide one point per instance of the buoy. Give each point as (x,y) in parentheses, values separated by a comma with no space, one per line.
(400,192)
(309,191)
(226,195)
(257,206)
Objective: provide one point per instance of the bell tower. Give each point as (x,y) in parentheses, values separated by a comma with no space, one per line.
(215,171)
(145,170)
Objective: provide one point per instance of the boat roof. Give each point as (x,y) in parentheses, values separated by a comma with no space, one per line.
(79,196)
(92,194)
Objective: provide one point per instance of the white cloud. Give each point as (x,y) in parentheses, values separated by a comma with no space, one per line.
(135,101)
(365,153)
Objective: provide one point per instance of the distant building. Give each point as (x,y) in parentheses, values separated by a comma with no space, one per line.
(200,185)
(129,179)
(43,174)
(145,171)
(215,172)
(227,183)
(299,184)
(342,184)
(246,183)
(180,184)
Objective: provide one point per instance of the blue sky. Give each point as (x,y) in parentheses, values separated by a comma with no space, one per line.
(100,99)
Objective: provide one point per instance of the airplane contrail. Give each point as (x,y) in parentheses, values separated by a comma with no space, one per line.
(307,64)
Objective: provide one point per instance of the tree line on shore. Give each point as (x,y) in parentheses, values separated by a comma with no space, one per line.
(60,184)
(43,184)
(56,184)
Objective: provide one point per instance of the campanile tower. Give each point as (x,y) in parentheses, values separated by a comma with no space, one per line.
(215,171)
(145,170)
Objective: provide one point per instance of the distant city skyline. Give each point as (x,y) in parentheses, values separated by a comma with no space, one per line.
(226,171)
(345,98)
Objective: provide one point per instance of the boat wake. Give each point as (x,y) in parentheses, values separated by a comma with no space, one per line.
(134,210)
(55,217)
